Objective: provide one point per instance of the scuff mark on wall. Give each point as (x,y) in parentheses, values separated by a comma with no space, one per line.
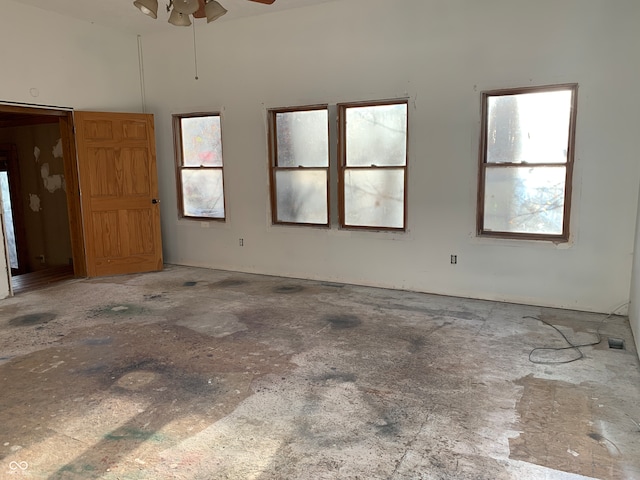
(34,202)
(51,182)
(36,153)
(57,149)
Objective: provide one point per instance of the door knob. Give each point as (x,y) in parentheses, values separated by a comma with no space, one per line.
(155,200)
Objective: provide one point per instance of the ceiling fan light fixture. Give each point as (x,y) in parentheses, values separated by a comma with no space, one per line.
(214,10)
(179,19)
(148,7)
(181,10)
(186,7)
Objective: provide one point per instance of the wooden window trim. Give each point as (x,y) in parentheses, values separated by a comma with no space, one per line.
(273,165)
(177,145)
(483,165)
(342,167)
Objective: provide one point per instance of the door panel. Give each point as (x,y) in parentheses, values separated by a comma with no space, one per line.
(118,183)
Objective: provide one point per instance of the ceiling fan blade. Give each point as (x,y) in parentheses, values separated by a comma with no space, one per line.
(200,12)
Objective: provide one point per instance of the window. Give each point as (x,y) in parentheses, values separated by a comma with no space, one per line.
(526,162)
(373,165)
(198,144)
(299,165)
(5,196)
(371,172)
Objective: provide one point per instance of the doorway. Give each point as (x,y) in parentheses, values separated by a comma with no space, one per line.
(38,197)
(114,226)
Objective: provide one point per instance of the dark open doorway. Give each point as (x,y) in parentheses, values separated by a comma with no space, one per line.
(40,196)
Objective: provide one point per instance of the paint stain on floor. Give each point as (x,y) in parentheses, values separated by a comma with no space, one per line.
(340,322)
(230,282)
(32,319)
(288,289)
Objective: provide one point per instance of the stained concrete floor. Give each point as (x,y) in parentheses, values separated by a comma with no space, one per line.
(201,374)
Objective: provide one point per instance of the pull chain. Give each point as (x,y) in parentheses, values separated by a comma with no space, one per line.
(195,51)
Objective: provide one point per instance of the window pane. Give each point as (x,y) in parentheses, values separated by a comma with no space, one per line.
(529,127)
(201,141)
(302,139)
(202,193)
(374,198)
(376,135)
(302,196)
(524,200)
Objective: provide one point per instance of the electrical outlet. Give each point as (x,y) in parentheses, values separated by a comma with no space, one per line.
(41,258)
(454,259)
(241,242)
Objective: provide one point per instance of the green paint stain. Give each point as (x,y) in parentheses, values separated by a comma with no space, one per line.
(134,434)
(74,468)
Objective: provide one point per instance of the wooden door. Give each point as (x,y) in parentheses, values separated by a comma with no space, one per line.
(119,192)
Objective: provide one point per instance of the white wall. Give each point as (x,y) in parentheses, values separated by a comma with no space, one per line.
(440,53)
(68,62)
(52,60)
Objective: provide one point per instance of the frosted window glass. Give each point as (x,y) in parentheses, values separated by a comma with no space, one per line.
(302,139)
(524,199)
(374,198)
(302,196)
(529,127)
(202,193)
(201,141)
(376,135)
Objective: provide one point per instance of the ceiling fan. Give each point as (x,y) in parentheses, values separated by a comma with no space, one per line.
(181,9)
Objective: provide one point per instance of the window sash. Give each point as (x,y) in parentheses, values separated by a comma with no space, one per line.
(184,209)
(380,211)
(316,209)
(344,168)
(278,215)
(486,166)
(539,211)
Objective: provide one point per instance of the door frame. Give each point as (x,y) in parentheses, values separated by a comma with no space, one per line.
(23,114)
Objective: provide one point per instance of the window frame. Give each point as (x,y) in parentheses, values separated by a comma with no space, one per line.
(274,168)
(179,164)
(568,165)
(342,164)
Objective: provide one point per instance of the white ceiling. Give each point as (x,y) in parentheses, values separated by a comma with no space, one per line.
(123,15)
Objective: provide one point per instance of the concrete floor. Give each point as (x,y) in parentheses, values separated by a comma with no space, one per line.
(202,374)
